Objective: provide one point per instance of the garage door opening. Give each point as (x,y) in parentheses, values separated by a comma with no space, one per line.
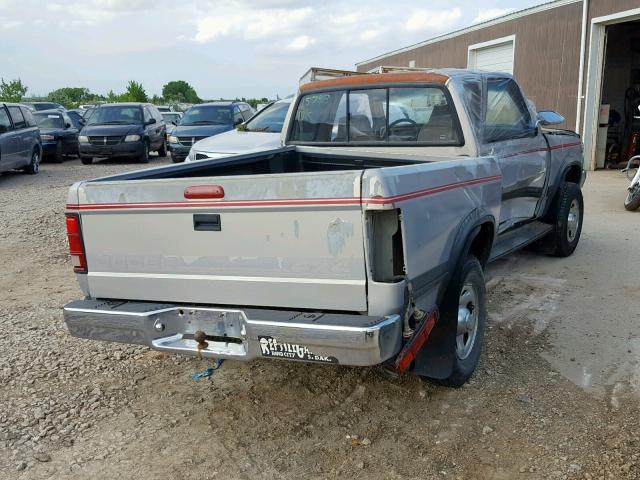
(494,56)
(618,131)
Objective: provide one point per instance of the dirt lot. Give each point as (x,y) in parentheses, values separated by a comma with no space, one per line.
(556,396)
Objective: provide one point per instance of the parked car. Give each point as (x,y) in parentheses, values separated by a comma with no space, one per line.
(123,130)
(37,106)
(205,120)
(20,145)
(171,119)
(77,117)
(58,134)
(164,108)
(261,132)
(359,242)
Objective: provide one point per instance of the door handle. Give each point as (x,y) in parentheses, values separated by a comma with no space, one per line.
(207,222)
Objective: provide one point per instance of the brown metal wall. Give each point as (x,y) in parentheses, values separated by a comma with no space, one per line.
(601,8)
(547,56)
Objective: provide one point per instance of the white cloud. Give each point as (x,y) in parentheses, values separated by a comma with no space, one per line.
(300,43)
(434,20)
(7,24)
(369,35)
(251,24)
(491,13)
(348,19)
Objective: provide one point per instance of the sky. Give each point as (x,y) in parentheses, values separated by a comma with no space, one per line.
(224,49)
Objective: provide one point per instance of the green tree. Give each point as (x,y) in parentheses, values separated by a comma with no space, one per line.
(134,93)
(180,91)
(12,91)
(71,97)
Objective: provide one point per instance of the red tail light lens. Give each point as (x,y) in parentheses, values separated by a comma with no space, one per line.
(76,245)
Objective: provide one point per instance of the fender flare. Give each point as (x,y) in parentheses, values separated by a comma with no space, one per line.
(436,357)
(557,185)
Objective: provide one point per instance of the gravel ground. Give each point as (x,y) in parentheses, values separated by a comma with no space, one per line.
(555,397)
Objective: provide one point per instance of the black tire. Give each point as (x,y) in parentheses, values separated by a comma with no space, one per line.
(564,238)
(86,160)
(34,166)
(177,159)
(469,336)
(58,157)
(163,149)
(144,158)
(632,201)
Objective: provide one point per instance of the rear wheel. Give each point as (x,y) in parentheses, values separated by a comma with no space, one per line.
(163,149)
(632,201)
(34,165)
(144,157)
(58,157)
(86,160)
(465,303)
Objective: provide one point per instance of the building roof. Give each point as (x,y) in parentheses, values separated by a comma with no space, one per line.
(478,26)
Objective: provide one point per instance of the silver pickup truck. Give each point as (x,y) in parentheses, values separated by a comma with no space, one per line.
(360,242)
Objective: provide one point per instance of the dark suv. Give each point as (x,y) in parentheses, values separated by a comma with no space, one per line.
(20,145)
(123,130)
(206,120)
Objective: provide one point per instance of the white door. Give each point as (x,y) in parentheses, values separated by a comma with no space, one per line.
(494,56)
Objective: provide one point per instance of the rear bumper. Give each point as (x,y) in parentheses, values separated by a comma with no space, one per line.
(239,333)
(123,149)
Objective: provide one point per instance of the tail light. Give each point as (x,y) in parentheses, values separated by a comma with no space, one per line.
(76,245)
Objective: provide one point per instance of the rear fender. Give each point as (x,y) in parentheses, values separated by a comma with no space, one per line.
(436,357)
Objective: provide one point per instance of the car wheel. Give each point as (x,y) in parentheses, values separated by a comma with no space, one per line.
(163,149)
(144,158)
(177,159)
(34,165)
(58,156)
(567,226)
(465,303)
(86,160)
(632,201)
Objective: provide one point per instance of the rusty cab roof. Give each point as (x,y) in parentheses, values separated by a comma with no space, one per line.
(372,79)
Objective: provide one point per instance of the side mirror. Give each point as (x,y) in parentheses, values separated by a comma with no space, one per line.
(548,118)
(67,125)
(237,122)
(152,121)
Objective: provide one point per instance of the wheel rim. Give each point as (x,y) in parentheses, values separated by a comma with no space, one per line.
(633,192)
(35,162)
(573,221)
(467,321)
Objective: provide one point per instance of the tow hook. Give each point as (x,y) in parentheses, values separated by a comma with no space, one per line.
(201,338)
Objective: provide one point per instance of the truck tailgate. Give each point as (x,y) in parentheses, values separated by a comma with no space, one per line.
(285,240)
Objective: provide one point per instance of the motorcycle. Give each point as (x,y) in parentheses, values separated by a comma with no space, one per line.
(633,173)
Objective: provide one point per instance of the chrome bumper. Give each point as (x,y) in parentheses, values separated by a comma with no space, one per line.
(239,333)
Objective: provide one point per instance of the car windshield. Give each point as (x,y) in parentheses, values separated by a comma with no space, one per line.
(49,120)
(171,117)
(116,115)
(211,115)
(269,120)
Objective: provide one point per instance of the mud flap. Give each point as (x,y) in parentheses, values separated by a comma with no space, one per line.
(437,355)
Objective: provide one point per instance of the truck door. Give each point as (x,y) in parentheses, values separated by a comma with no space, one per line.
(511,135)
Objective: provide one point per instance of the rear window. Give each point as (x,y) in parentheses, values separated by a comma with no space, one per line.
(49,120)
(402,115)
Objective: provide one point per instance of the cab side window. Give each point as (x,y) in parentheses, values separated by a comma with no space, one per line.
(18,120)
(247,113)
(237,116)
(506,114)
(5,123)
(147,115)
(31,121)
